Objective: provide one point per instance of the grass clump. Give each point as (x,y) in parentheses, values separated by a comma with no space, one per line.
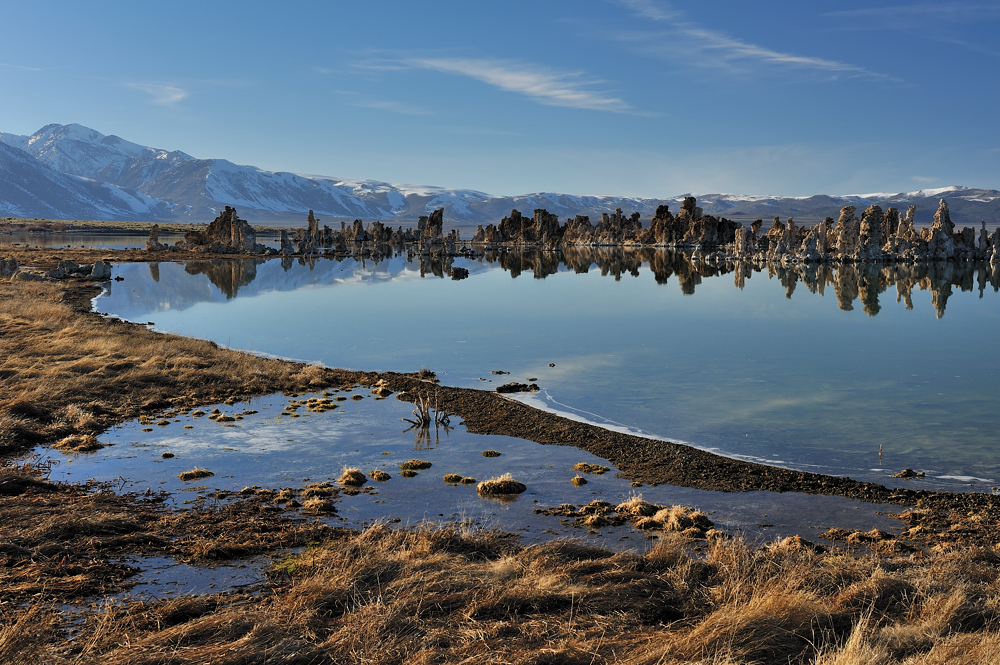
(468,480)
(318,489)
(635,506)
(579,481)
(352,478)
(318,505)
(491,453)
(414,465)
(78,443)
(584,467)
(504,485)
(453,478)
(408,473)
(379,476)
(196,473)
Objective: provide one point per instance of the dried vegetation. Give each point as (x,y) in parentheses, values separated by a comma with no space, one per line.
(441,596)
(67,374)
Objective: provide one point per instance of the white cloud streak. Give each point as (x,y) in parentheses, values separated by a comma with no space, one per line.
(955,11)
(544,85)
(6,65)
(161,95)
(711,48)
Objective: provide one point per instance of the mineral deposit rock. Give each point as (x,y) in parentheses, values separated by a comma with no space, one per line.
(434,227)
(287,248)
(578,231)
(905,229)
(661,229)
(942,218)
(153,243)
(232,232)
(870,235)
(312,232)
(890,222)
(101,270)
(8,267)
(941,240)
(742,247)
(227,234)
(809,250)
(847,231)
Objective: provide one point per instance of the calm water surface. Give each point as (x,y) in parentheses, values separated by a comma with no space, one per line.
(806,370)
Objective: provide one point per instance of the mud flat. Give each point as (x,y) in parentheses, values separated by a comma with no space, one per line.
(416,595)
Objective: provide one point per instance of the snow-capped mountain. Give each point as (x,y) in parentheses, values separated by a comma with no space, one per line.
(80,173)
(29,188)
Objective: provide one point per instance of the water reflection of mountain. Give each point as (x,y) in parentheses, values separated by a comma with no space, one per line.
(864,283)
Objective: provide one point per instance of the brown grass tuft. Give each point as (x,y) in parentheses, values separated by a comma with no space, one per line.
(491,453)
(78,443)
(584,467)
(453,478)
(195,474)
(352,477)
(379,476)
(637,507)
(501,485)
(414,465)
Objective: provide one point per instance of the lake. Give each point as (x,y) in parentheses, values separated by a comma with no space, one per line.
(813,368)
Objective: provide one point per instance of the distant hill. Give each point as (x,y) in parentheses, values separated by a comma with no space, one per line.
(74,172)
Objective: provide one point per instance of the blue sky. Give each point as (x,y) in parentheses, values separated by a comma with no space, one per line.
(623,97)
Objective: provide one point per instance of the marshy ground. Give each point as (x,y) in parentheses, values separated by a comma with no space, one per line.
(434,595)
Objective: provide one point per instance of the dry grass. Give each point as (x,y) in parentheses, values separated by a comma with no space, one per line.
(453,478)
(491,453)
(578,480)
(352,477)
(65,371)
(379,476)
(440,596)
(195,474)
(501,485)
(584,467)
(414,465)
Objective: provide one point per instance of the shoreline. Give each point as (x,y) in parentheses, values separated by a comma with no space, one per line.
(639,459)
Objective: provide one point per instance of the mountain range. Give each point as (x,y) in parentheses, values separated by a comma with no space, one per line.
(74,172)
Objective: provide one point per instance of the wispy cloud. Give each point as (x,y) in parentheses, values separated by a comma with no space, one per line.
(542,84)
(6,65)
(704,47)
(161,95)
(955,11)
(924,179)
(393,107)
(937,23)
